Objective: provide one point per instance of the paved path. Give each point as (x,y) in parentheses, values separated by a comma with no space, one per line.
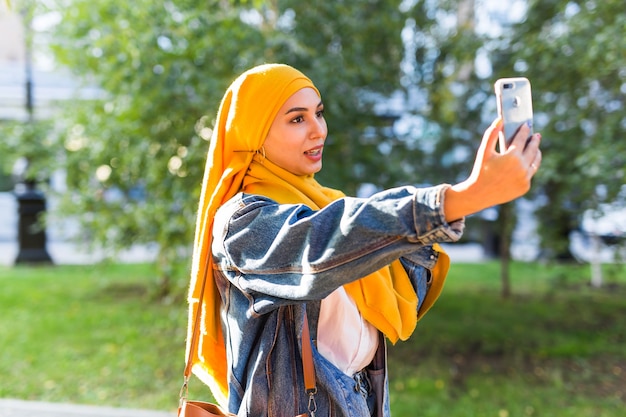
(19,408)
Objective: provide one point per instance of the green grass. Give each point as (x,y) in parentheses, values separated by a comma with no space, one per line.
(96,335)
(555,348)
(90,334)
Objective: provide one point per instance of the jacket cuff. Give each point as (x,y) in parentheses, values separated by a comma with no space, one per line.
(429,218)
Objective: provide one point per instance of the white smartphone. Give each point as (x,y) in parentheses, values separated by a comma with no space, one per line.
(515,107)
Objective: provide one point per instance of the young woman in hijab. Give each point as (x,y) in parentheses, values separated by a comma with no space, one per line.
(273,244)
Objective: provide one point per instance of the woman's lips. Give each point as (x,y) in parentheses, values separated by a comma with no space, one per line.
(315,151)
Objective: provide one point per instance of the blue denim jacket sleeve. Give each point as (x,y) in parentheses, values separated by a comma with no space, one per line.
(279,253)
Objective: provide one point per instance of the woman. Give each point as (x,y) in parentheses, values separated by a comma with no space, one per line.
(274,245)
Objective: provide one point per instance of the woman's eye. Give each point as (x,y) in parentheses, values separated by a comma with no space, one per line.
(320,113)
(298,119)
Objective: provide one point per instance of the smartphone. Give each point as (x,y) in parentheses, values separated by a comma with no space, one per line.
(515,107)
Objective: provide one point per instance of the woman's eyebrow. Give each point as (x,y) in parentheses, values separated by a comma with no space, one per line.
(297,109)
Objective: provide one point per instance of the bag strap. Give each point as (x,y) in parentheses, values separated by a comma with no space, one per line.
(307,351)
(307,357)
(195,334)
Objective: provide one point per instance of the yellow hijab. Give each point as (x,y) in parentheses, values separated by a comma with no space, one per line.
(385,298)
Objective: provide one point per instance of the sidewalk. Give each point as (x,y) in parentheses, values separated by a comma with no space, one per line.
(19,408)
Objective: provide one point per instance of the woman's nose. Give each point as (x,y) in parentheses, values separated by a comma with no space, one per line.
(319,129)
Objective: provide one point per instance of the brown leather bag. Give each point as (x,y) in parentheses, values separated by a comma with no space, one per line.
(201,409)
(206,409)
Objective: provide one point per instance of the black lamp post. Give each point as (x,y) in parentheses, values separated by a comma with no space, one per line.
(31,232)
(31,202)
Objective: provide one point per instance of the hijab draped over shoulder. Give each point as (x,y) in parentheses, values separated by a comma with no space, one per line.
(385,298)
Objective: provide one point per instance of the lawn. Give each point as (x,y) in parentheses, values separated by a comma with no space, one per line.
(556,347)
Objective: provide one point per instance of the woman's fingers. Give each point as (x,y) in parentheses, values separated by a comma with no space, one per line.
(520,140)
(525,148)
(536,155)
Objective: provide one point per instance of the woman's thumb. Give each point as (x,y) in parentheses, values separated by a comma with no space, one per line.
(491,135)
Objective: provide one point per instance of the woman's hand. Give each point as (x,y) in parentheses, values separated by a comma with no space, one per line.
(496,178)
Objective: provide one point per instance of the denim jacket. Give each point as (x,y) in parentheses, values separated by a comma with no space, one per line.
(274,262)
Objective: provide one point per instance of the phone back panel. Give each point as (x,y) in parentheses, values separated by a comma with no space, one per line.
(514,99)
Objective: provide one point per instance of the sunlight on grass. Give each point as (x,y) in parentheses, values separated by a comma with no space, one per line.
(554,348)
(90,334)
(97,335)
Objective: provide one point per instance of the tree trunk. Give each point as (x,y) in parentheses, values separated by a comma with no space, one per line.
(506,221)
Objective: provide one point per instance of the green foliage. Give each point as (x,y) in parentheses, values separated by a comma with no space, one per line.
(573,52)
(29,143)
(352,51)
(451,103)
(454,99)
(135,155)
(33,143)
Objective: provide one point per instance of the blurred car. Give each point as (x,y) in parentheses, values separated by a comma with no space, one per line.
(602,235)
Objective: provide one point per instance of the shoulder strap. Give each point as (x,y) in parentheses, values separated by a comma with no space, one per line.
(307,357)
(195,334)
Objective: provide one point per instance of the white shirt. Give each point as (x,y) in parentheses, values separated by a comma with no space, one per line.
(343,337)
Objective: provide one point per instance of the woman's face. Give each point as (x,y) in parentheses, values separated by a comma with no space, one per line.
(296,138)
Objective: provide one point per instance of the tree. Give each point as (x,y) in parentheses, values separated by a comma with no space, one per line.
(135,155)
(573,51)
(27,143)
(352,51)
(459,104)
